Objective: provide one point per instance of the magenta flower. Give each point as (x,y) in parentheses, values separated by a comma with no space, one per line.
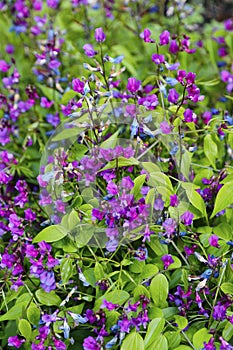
(108,305)
(228,24)
(15,341)
(213,241)
(165,127)
(210,345)
(145,35)
(157,59)
(78,85)
(181,74)
(133,85)
(45,103)
(164,37)
(4,67)
(10,49)
(173,96)
(174,200)
(150,101)
(167,260)
(53,3)
(188,115)
(187,218)
(174,47)
(99,35)
(89,50)
(170,226)
(112,188)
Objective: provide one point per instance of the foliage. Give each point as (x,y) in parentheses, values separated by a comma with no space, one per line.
(116,176)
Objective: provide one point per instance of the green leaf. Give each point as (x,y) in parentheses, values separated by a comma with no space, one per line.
(161,344)
(159,290)
(160,179)
(227,288)
(15,312)
(141,290)
(183,347)
(66,268)
(67,96)
(133,341)
(25,329)
(111,142)
(199,338)
(138,183)
(73,220)
(223,198)
(116,297)
(228,331)
(181,321)
(157,247)
(173,339)
(154,331)
(210,150)
(83,233)
(194,197)
(33,314)
(51,234)
(67,134)
(148,271)
(120,162)
(150,167)
(186,158)
(48,299)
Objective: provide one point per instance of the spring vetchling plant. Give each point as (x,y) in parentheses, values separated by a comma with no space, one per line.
(116,148)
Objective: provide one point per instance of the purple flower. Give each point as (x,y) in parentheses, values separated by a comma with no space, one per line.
(225,345)
(187,218)
(91,344)
(141,253)
(145,35)
(45,103)
(158,204)
(112,245)
(213,241)
(89,50)
(167,260)
(164,37)
(99,35)
(190,78)
(47,281)
(15,341)
(53,3)
(188,115)
(219,312)
(112,188)
(124,325)
(165,127)
(147,234)
(108,305)
(173,96)
(133,85)
(157,59)
(10,49)
(150,101)
(59,345)
(169,225)
(174,47)
(53,119)
(174,200)
(4,66)
(228,24)
(78,85)
(210,345)
(127,183)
